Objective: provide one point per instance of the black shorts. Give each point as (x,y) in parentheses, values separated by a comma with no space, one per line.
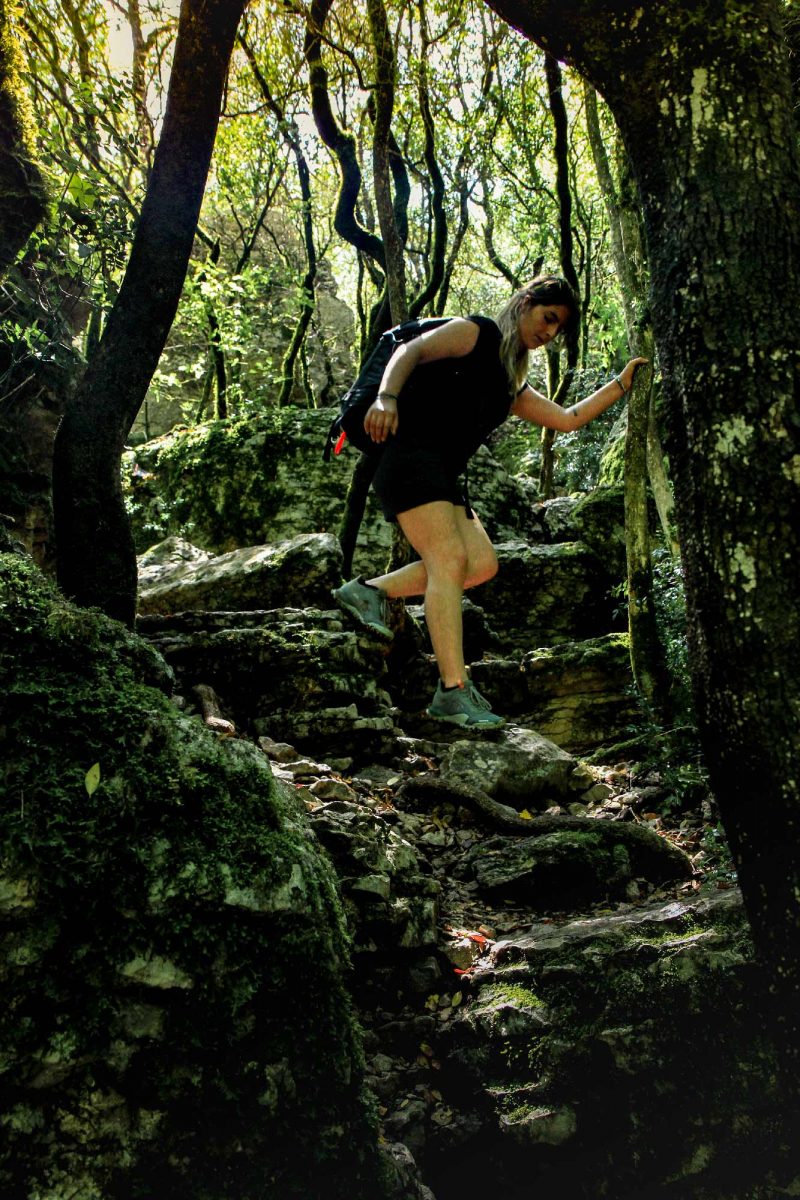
(408,476)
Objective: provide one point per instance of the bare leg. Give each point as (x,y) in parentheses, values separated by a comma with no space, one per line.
(412,580)
(446,542)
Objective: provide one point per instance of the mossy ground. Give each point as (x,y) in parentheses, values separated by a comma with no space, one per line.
(240,1072)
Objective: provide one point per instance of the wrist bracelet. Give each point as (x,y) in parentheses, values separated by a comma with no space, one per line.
(621,384)
(386,396)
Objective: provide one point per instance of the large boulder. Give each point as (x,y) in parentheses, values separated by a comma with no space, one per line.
(521,768)
(175,1016)
(502,500)
(177,577)
(246,482)
(544,594)
(578,694)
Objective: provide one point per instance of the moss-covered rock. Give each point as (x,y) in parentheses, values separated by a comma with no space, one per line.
(599,520)
(295,675)
(175,1020)
(299,572)
(246,482)
(234,483)
(620,1054)
(558,870)
(545,594)
(578,694)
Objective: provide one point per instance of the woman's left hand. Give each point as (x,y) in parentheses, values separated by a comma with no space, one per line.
(629,370)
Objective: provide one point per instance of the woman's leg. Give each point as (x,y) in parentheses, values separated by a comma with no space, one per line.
(454,551)
(412,580)
(434,532)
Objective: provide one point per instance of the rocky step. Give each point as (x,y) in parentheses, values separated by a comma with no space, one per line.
(591,1054)
(542,594)
(315,677)
(578,694)
(294,675)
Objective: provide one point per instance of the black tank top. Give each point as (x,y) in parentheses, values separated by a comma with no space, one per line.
(452,405)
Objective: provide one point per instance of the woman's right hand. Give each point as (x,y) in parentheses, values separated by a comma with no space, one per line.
(381,418)
(629,370)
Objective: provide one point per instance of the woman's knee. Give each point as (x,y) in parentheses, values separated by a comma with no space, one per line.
(482,567)
(450,562)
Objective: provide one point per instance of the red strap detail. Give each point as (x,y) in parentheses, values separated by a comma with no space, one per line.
(337,449)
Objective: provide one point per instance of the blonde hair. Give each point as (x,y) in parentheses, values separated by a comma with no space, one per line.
(544,289)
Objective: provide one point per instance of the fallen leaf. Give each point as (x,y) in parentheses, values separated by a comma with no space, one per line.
(92,779)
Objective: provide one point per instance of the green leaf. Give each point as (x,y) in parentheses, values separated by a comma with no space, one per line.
(92,779)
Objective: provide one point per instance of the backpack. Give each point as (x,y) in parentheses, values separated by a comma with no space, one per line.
(348,425)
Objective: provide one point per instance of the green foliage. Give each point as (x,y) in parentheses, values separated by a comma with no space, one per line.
(493,142)
(577,456)
(670,604)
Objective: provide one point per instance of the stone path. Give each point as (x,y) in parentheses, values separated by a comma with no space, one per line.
(510,1004)
(534,1008)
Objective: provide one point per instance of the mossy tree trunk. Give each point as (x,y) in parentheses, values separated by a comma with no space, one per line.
(648,660)
(702,94)
(22,190)
(559,384)
(642,341)
(382,175)
(96,558)
(647,653)
(629,263)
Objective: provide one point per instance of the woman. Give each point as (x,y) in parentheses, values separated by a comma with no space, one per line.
(441,395)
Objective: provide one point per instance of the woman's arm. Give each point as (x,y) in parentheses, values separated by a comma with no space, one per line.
(453,340)
(531,405)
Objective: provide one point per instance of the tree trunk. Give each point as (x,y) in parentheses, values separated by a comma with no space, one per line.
(382,175)
(488,236)
(436,274)
(702,95)
(354,505)
(642,337)
(648,661)
(342,144)
(96,559)
(22,191)
(291,137)
(559,392)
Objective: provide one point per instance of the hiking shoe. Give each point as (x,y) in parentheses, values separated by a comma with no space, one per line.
(463,706)
(368,605)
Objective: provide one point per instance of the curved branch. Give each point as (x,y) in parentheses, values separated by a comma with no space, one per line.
(436,276)
(291,136)
(384,107)
(342,144)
